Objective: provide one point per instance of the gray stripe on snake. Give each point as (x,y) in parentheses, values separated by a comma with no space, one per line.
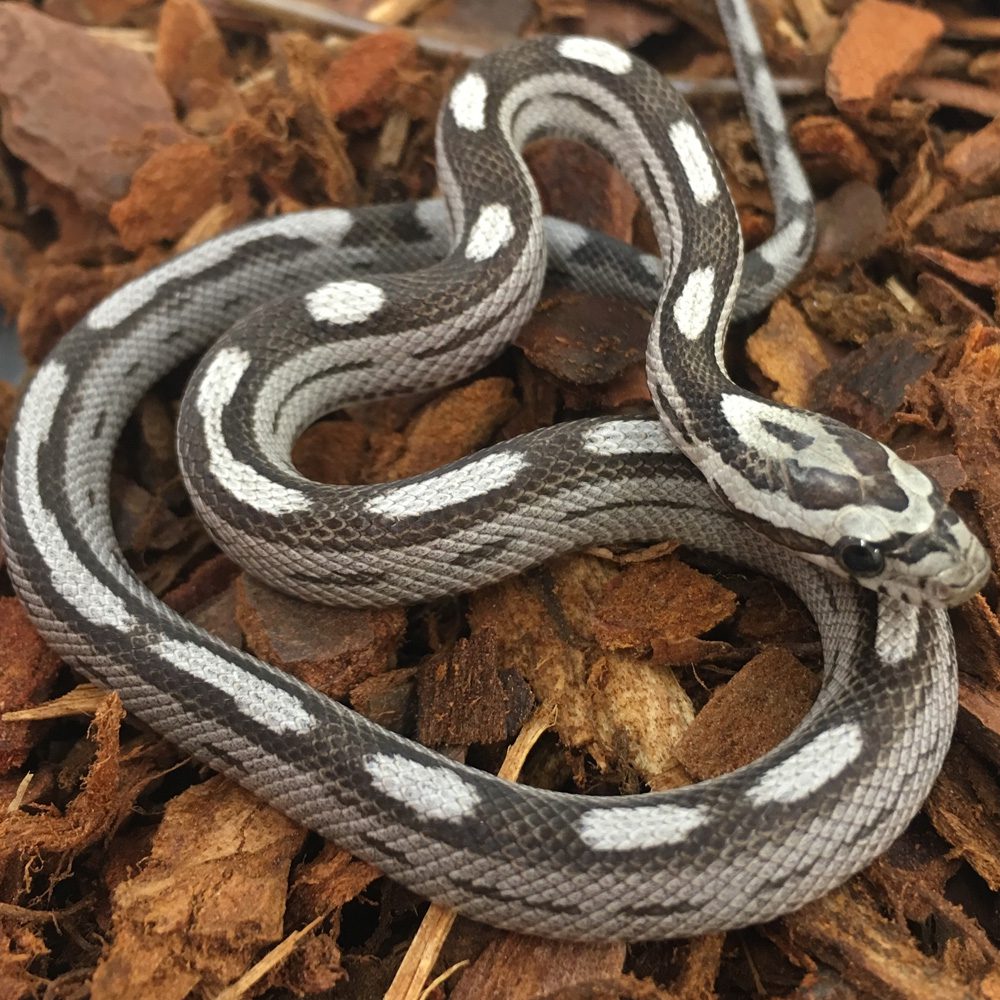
(739,849)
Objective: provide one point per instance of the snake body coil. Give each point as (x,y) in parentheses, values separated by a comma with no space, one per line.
(334,306)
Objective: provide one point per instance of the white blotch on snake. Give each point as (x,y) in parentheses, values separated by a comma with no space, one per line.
(443,489)
(693,307)
(565,237)
(747,38)
(241,481)
(628,828)
(72,580)
(255,697)
(491,231)
(808,769)
(433,216)
(142,291)
(746,417)
(626,437)
(781,247)
(430,791)
(696,162)
(596,52)
(795,180)
(766,99)
(468,102)
(897,642)
(653,266)
(342,303)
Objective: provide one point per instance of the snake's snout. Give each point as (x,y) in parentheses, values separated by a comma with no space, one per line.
(963,580)
(942,567)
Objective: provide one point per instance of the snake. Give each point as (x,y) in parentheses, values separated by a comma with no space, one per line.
(302,314)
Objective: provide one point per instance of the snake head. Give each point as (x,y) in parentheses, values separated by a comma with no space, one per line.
(942,565)
(891,529)
(847,503)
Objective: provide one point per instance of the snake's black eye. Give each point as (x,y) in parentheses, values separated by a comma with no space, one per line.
(860,558)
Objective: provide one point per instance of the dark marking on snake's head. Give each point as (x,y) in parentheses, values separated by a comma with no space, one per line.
(892,530)
(788,435)
(848,504)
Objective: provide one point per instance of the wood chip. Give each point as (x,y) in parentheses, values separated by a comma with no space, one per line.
(614,704)
(970,401)
(458,422)
(868,387)
(332,649)
(584,339)
(517,966)
(462,696)
(663,606)
(832,151)
(186,175)
(875,956)
(192,62)
(789,354)
(577,183)
(212,892)
(851,226)
(974,162)
(749,716)
(29,670)
(868,61)
(964,807)
(60,115)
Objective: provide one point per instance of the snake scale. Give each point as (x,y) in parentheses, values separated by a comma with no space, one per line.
(303,313)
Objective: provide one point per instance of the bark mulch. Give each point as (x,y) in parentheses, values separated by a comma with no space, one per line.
(130,132)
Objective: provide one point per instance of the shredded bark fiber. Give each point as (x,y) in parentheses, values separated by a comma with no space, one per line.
(131,131)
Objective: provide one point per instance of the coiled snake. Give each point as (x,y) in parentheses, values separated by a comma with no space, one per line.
(333,306)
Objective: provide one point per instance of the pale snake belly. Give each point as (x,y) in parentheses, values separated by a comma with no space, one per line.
(307,312)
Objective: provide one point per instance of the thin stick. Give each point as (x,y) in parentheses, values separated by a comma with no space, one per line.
(444,977)
(439,45)
(395,11)
(348,24)
(84,699)
(278,954)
